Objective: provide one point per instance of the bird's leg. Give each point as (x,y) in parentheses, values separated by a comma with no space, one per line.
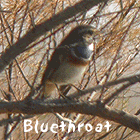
(58,115)
(76,88)
(60,93)
(65,89)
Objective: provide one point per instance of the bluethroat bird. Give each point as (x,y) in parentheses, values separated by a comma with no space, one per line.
(70,59)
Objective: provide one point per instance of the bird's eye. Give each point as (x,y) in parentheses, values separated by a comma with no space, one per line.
(88,38)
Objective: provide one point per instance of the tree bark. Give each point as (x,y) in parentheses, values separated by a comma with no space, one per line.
(96,109)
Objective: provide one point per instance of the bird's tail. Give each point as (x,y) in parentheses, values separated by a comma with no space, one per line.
(47,89)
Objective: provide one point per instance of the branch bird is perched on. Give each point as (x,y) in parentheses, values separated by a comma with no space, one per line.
(70,59)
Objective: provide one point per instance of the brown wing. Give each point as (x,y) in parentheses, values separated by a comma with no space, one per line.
(53,65)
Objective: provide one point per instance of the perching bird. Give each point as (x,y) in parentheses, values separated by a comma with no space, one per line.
(70,59)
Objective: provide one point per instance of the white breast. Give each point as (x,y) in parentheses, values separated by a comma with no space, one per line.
(68,74)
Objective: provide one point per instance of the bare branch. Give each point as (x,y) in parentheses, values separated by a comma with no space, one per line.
(131,80)
(95,108)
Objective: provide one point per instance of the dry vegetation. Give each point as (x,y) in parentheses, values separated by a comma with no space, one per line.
(116,56)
